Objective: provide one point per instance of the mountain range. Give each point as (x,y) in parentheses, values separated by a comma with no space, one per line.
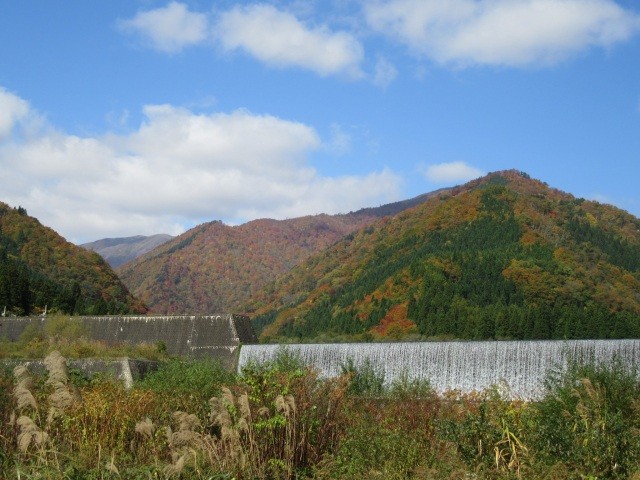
(502,257)
(216,267)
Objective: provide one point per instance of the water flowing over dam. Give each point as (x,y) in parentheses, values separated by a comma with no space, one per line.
(521,366)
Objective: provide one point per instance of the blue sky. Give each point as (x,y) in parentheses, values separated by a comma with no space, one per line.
(132,117)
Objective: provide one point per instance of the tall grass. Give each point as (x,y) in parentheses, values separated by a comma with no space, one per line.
(280,420)
(186,385)
(589,420)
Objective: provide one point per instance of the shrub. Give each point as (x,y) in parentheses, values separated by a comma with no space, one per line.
(187,385)
(407,388)
(487,431)
(589,419)
(63,327)
(66,335)
(30,333)
(300,417)
(370,450)
(365,379)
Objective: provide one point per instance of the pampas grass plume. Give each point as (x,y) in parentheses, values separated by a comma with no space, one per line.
(145,428)
(22,390)
(186,421)
(175,468)
(30,433)
(243,406)
(56,365)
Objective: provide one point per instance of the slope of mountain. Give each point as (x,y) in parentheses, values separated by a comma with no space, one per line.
(39,268)
(504,256)
(118,251)
(215,267)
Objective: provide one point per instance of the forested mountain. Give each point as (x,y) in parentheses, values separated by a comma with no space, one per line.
(216,267)
(39,268)
(118,251)
(501,257)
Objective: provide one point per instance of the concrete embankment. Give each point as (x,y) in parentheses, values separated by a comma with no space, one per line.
(126,370)
(217,336)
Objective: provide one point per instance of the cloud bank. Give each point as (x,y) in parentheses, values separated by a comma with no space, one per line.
(459,33)
(511,33)
(272,36)
(13,110)
(175,170)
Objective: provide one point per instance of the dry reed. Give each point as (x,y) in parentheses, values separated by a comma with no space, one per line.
(22,389)
(30,434)
(63,395)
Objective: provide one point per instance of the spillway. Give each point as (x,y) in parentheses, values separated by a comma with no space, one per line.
(519,366)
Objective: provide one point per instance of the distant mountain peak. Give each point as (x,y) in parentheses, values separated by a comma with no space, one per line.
(118,251)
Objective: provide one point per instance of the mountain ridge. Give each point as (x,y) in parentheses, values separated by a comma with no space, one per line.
(216,267)
(503,256)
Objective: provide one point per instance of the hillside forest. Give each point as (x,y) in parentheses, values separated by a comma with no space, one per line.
(503,257)
(39,269)
(215,267)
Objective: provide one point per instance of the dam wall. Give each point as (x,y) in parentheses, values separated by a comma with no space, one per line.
(125,370)
(193,336)
(518,368)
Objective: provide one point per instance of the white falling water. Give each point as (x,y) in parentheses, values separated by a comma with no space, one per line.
(520,366)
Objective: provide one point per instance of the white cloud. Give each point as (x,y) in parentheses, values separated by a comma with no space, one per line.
(502,32)
(177,169)
(340,141)
(384,73)
(271,35)
(278,38)
(13,109)
(169,29)
(333,195)
(450,172)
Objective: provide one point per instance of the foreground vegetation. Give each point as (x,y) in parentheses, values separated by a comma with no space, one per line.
(279,420)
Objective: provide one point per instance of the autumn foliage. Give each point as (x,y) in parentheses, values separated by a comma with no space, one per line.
(504,256)
(39,268)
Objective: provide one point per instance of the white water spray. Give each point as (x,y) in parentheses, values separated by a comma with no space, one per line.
(520,366)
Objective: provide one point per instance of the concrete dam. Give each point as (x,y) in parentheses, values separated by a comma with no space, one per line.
(193,336)
(520,367)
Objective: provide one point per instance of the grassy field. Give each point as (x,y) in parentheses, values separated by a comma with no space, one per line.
(279,420)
